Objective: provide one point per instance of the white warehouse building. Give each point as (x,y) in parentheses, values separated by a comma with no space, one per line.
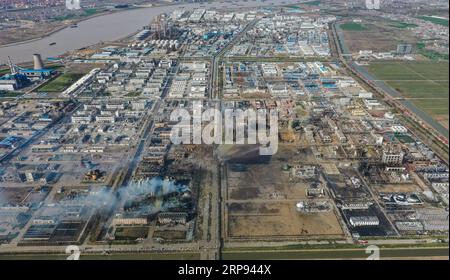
(360,221)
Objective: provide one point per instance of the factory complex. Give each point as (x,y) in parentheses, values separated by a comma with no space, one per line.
(87,157)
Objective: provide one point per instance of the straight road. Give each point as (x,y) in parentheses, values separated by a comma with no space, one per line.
(214,79)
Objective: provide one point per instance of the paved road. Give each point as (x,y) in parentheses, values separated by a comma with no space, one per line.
(214,81)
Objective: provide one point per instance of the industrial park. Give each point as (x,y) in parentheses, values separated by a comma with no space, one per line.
(87,156)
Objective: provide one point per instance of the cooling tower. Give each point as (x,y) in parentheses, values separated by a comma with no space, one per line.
(38,64)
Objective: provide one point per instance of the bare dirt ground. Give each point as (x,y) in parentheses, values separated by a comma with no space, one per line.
(396,188)
(378,38)
(261,201)
(27,31)
(279,219)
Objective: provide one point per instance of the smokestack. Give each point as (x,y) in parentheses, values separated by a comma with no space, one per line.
(38,64)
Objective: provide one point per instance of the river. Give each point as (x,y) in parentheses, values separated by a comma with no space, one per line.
(109,27)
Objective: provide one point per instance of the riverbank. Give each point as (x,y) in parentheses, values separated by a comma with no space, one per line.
(124,22)
(85,18)
(67,25)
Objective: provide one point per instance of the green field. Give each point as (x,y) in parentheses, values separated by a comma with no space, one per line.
(335,254)
(61,82)
(292,7)
(90,12)
(86,13)
(425,83)
(311,3)
(440,21)
(119,256)
(4,93)
(400,24)
(353,26)
(4,71)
